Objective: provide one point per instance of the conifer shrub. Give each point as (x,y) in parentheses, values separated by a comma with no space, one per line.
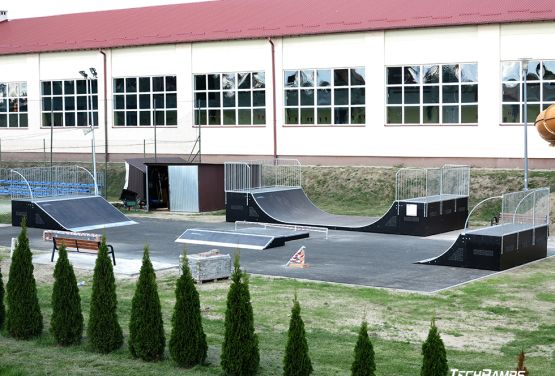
(2,307)
(297,360)
(433,352)
(240,354)
(103,330)
(24,318)
(364,363)
(66,324)
(146,328)
(187,342)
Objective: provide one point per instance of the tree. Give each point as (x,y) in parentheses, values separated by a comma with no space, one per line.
(24,319)
(66,323)
(520,366)
(2,308)
(146,328)
(240,347)
(296,361)
(104,331)
(435,357)
(364,364)
(188,342)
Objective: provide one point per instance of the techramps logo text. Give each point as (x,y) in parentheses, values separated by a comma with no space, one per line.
(486,372)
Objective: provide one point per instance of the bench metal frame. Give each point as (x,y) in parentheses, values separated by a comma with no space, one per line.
(78,244)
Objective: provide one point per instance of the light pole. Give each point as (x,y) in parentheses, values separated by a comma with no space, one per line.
(89,116)
(525,120)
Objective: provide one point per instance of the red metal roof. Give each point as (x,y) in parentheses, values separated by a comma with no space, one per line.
(245,19)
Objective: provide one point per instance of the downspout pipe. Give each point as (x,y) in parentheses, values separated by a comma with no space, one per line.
(105,124)
(274,95)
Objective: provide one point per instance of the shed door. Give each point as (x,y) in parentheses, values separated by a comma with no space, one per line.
(183,188)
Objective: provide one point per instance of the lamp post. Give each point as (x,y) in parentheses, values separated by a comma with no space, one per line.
(89,122)
(525,62)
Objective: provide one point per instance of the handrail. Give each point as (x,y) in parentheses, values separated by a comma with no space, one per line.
(26,182)
(475,207)
(94,180)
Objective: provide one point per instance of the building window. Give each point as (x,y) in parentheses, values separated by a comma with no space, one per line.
(540,88)
(432,94)
(13,104)
(230,98)
(65,103)
(145,101)
(325,96)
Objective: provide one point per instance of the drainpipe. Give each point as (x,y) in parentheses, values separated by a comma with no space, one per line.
(274,94)
(105,126)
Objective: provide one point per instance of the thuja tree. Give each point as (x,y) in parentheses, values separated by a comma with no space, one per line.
(103,330)
(433,351)
(66,324)
(188,342)
(240,347)
(296,361)
(2,308)
(146,328)
(364,364)
(24,319)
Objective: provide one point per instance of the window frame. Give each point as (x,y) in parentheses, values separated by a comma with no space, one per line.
(11,105)
(67,114)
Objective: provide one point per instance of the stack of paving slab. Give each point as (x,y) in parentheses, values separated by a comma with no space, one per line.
(209,266)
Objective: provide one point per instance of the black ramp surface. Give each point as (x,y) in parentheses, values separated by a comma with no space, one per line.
(293,206)
(84,213)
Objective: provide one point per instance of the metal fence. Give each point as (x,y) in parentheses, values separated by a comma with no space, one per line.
(455,180)
(42,182)
(411,183)
(249,175)
(526,207)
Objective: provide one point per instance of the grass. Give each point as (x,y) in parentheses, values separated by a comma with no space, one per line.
(484,325)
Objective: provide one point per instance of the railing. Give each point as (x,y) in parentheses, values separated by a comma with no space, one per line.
(249,175)
(323,230)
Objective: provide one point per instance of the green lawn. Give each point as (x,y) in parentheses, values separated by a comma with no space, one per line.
(484,325)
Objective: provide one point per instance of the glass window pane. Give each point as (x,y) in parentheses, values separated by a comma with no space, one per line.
(307,115)
(450,114)
(511,113)
(131,101)
(229,99)
(549,69)
(171,100)
(201,117)
(131,118)
(119,85)
(549,91)
(323,97)
(307,98)
(214,99)
(57,87)
(324,77)
(341,78)
(532,92)
(394,115)
(394,95)
(13,121)
(69,87)
(144,85)
(200,100)
(200,82)
(394,76)
(244,117)
(469,93)
(69,103)
(430,74)
(46,89)
(58,103)
(93,87)
(144,118)
(450,93)
(357,115)
(4,104)
(341,96)
(23,89)
(430,114)
(291,97)
(95,102)
(510,71)
(291,78)
(81,86)
(469,114)
(358,95)
(4,120)
(119,118)
(171,83)
(357,76)
(258,98)
(324,115)
(430,94)
(469,72)
(533,111)
(157,83)
(412,75)
(259,116)
(23,121)
(245,99)
(511,92)
(534,71)
(13,90)
(82,103)
(58,120)
(144,101)
(229,117)
(70,119)
(213,83)
(228,81)
(307,78)
(214,117)
(131,85)
(119,102)
(14,105)
(291,116)
(341,115)
(158,101)
(450,73)
(244,80)
(159,117)
(23,104)
(412,94)
(258,80)
(412,115)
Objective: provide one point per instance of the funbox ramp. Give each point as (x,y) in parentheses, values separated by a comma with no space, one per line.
(68,213)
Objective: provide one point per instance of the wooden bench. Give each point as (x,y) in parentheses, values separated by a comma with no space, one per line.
(79,245)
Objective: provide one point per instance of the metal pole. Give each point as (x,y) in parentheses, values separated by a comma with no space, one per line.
(154,121)
(525,114)
(93,146)
(144,148)
(51,131)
